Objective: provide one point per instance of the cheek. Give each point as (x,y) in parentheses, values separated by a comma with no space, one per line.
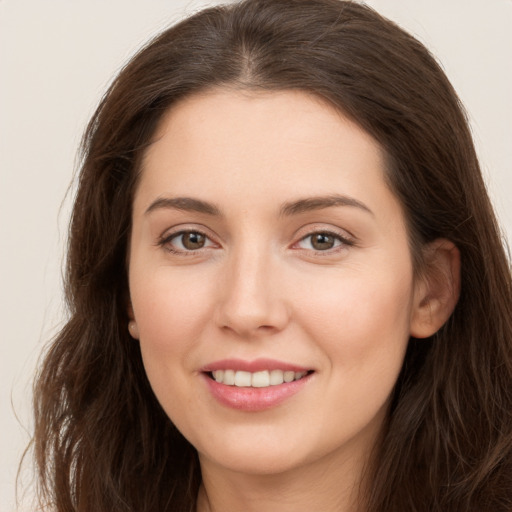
(170,312)
(170,315)
(166,303)
(362,328)
(362,324)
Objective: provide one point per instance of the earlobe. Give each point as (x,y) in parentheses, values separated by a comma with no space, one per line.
(437,288)
(133,329)
(132,324)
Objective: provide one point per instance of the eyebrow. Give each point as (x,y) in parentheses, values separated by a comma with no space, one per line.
(318,203)
(187,204)
(307,204)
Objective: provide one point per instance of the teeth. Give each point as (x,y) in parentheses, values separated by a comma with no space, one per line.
(276,377)
(242,379)
(260,379)
(289,376)
(229,377)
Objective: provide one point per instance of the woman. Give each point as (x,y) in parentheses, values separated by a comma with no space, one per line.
(286,282)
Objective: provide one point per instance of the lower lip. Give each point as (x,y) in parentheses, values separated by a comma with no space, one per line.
(254,399)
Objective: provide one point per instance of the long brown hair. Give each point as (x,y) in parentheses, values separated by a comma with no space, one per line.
(103,443)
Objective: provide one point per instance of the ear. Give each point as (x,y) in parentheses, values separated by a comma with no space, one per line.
(132,324)
(437,289)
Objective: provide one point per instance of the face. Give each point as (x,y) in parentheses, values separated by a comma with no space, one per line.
(271,282)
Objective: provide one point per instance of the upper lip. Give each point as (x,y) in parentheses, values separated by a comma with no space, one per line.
(256,365)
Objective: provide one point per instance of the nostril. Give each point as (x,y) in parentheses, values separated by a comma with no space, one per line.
(266,328)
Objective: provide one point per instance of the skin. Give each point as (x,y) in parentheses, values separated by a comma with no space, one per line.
(259,288)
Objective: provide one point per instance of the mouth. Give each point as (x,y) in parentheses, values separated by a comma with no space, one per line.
(255,385)
(259,379)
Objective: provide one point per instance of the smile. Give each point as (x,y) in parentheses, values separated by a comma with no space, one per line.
(260,379)
(253,386)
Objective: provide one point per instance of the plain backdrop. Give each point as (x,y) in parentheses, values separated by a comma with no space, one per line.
(56,60)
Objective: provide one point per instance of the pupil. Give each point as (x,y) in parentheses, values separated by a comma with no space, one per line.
(193,240)
(323,241)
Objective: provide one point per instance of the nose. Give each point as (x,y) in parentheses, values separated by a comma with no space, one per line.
(252,299)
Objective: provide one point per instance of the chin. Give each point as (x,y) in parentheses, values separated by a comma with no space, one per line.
(265,462)
(255,451)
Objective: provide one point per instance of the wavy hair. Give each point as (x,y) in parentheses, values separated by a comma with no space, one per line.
(102,442)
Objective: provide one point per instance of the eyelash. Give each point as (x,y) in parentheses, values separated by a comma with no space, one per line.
(343,242)
(165,242)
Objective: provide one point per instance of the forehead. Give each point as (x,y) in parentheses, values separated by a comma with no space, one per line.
(261,144)
(229,112)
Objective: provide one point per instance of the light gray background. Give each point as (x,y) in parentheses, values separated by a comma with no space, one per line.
(56,59)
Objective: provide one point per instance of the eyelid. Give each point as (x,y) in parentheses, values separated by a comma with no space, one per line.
(169,234)
(345,237)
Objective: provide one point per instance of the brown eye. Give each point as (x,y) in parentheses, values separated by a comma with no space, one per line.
(192,240)
(322,241)
(186,242)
